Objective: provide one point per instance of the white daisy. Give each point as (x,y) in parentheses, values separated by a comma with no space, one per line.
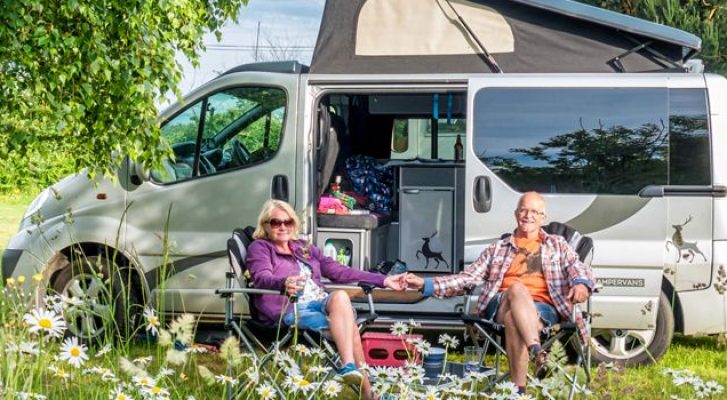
(302,350)
(224,379)
(507,388)
(450,342)
(155,392)
(45,321)
(118,394)
(103,350)
(165,372)
(152,321)
(399,329)
(143,360)
(266,392)
(73,352)
(319,370)
(143,381)
(29,348)
(332,388)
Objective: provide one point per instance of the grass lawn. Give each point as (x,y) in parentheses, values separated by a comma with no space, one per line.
(704,356)
(12,207)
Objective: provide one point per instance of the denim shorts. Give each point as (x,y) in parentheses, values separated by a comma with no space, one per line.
(312,315)
(547,313)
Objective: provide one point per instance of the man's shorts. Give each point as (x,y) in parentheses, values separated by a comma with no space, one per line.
(312,315)
(547,313)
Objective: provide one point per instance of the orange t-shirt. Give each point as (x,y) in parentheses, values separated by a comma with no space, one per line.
(527,268)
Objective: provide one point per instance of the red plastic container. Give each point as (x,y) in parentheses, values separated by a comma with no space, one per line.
(387,350)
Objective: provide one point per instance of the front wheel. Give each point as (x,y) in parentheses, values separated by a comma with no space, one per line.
(102,300)
(635,347)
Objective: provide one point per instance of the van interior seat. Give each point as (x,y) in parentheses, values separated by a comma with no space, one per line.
(369,221)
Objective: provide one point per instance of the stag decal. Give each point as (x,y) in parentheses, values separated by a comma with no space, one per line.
(429,253)
(686,250)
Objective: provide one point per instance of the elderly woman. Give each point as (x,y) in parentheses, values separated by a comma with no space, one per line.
(277,260)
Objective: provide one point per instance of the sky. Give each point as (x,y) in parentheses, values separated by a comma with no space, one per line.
(288,30)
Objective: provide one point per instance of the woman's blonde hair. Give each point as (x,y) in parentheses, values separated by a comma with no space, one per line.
(265,215)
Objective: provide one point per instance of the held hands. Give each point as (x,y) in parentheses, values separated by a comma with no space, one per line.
(396,282)
(293,284)
(578,293)
(414,281)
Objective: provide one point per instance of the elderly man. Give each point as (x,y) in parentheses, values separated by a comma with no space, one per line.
(530,279)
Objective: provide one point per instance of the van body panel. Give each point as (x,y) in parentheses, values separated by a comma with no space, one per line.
(619,224)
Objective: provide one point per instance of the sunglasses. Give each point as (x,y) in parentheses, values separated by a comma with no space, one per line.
(276,223)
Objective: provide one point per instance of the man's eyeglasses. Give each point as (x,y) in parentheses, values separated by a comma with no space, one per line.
(276,223)
(526,211)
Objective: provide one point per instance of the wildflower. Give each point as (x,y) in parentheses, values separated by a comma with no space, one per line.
(104,350)
(46,322)
(165,372)
(319,370)
(230,351)
(118,394)
(507,388)
(29,348)
(224,379)
(152,321)
(252,375)
(317,353)
(298,383)
(155,392)
(37,277)
(59,372)
(379,373)
(332,388)
(399,329)
(266,392)
(197,349)
(143,381)
(182,328)
(10,282)
(143,360)
(431,394)
(302,350)
(21,280)
(448,341)
(421,346)
(73,352)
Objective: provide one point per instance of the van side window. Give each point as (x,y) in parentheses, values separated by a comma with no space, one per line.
(242,127)
(689,155)
(181,134)
(574,140)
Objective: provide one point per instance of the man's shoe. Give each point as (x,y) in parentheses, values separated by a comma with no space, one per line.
(541,364)
(350,375)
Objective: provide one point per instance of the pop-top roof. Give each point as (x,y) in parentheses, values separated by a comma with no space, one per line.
(460,36)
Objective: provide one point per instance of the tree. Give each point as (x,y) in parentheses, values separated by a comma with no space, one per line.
(704,18)
(79,79)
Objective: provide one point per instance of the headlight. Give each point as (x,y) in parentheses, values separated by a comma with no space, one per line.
(34,206)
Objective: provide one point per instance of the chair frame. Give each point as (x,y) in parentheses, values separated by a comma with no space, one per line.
(492,333)
(251,342)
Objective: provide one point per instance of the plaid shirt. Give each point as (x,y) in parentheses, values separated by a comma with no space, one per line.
(561,268)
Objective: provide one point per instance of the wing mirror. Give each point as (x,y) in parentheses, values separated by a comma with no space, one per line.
(131,174)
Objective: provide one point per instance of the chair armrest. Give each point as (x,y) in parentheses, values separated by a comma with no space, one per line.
(222,292)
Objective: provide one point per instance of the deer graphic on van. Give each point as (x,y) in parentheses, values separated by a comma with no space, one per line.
(428,253)
(684,249)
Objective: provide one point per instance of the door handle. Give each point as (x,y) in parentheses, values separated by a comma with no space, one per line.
(411,191)
(279,189)
(482,194)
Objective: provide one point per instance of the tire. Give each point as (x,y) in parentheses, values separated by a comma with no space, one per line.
(110,306)
(635,347)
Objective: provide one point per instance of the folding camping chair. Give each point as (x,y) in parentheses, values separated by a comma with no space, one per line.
(251,331)
(491,333)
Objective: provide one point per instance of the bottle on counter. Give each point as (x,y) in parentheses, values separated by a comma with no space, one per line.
(458,149)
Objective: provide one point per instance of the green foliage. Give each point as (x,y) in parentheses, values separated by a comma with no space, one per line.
(79,79)
(706,19)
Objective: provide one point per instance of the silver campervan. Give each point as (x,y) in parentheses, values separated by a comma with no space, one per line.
(603,114)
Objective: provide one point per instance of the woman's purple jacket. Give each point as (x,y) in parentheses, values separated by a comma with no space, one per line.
(269,269)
